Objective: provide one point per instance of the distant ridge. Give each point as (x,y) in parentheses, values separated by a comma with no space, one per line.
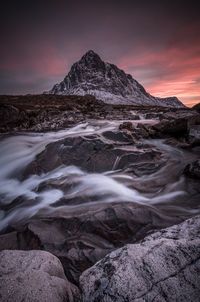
(91,75)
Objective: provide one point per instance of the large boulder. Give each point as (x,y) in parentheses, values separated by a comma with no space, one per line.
(34,276)
(163,267)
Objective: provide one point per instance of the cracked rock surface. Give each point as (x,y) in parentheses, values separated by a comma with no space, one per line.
(165,266)
(33,276)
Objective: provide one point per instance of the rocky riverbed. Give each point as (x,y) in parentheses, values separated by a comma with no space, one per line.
(98,202)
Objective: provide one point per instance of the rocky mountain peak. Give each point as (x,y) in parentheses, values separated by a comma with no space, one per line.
(90,56)
(91,75)
(90,60)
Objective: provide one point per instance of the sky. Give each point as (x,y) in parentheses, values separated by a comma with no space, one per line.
(157,42)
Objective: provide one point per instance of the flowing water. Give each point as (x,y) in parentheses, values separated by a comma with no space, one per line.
(21,199)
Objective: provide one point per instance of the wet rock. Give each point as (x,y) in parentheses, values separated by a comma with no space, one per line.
(145,131)
(126,126)
(179,143)
(194,131)
(34,276)
(135,117)
(163,267)
(194,135)
(153,115)
(118,137)
(193,169)
(138,132)
(173,127)
(81,237)
(98,156)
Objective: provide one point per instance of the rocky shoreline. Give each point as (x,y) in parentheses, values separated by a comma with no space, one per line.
(107,210)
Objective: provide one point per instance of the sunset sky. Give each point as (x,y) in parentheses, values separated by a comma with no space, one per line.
(157,42)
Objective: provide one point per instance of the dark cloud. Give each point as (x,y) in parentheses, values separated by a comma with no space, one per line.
(155,41)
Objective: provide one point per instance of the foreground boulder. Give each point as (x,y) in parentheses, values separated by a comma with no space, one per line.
(33,276)
(163,267)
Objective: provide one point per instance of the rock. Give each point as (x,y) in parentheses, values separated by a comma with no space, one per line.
(179,143)
(118,137)
(126,126)
(141,131)
(145,131)
(194,131)
(98,155)
(81,237)
(193,169)
(174,127)
(194,135)
(34,276)
(135,117)
(153,115)
(46,112)
(165,266)
(129,130)
(8,114)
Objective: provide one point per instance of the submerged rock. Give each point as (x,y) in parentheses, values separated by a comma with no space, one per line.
(34,276)
(163,267)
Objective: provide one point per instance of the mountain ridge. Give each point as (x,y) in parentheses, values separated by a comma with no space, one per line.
(91,75)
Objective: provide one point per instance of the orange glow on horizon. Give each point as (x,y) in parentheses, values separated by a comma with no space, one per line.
(188,92)
(168,72)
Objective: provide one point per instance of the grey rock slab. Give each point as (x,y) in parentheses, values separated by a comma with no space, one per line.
(33,276)
(165,266)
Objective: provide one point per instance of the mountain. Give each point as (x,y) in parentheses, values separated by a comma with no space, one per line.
(91,75)
(196,107)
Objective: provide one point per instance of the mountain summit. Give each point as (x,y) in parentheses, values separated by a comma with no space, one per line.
(91,75)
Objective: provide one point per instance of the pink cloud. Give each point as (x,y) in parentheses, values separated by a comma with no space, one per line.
(173,71)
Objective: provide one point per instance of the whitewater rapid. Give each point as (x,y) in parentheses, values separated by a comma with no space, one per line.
(20,199)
